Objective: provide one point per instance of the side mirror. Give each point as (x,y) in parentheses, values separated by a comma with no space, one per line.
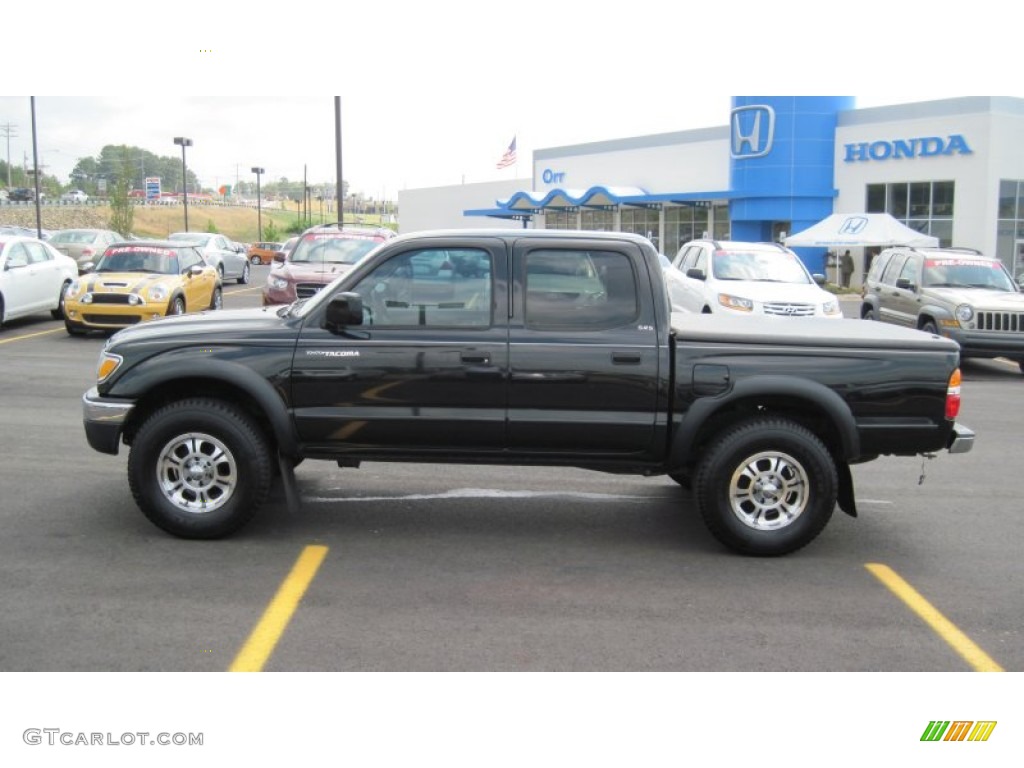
(344,310)
(904,284)
(696,274)
(86,266)
(279,257)
(818,278)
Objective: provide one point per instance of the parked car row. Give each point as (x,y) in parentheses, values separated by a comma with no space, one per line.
(953,292)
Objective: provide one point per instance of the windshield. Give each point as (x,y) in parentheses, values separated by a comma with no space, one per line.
(967,273)
(190,237)
(134,259)
(757,266)
(74,236)
(331,249)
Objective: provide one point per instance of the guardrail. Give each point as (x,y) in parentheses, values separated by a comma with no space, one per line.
(137,202)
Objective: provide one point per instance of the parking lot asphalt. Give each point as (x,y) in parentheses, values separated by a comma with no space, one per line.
(396,567)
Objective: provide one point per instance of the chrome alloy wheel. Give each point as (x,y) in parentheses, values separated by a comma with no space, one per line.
(196,473)
(769,491)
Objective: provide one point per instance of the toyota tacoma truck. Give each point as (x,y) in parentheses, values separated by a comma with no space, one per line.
(520,347)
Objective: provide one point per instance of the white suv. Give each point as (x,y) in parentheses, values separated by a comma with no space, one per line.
(750,279)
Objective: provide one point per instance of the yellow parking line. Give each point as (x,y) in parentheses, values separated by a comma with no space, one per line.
(271,626)
(242,290)
(943,627)
(30,335)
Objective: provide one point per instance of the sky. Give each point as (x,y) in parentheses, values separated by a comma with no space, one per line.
(433,93)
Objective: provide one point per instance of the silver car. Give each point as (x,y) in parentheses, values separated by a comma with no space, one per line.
(954,292)
(85,246)
(229,258)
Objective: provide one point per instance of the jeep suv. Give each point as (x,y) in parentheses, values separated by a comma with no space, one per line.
(954,292)
(749,279)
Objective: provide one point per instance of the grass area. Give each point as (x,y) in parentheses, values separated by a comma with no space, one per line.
(236,223)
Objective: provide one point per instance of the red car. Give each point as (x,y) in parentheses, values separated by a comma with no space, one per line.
(320,255)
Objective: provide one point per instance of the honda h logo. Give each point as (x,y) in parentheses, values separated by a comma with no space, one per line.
(853,225)
(753,131)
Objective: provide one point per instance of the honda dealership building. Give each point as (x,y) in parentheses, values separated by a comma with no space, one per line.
(953,169)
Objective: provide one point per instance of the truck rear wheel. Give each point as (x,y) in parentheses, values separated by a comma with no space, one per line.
(767,487)
(200,468)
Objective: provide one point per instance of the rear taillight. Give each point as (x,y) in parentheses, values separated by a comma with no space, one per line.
(88,251)
(953,396)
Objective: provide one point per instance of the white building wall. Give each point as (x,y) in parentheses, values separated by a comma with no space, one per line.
(994,140)
(698,167)
(442,207)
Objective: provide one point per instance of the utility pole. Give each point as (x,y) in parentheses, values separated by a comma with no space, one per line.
(9,130)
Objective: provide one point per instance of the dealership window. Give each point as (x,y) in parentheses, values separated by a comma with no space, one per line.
(1010,227)
(682,224)
(597,219)
(565,218)
(722,226)
(641,221)
(924,206)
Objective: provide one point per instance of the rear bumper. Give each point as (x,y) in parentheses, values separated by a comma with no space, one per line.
(104,421)
(961,440)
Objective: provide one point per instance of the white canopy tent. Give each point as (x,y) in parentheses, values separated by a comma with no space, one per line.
(853,230)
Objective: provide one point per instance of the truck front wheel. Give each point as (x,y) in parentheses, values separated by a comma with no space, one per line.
(767,487)
(200,468)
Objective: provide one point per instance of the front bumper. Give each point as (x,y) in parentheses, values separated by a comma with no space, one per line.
(961,440)
(111,316)
(104,420)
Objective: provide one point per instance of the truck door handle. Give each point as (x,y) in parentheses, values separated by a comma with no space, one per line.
(626,358)
(475,357)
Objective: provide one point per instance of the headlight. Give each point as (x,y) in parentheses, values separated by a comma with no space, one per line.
(735,302)
(277,283)
(108,364)
(964,313)
(158,293)
(831,308)
(74,289)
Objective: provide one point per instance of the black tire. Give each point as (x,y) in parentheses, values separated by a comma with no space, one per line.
(244,279)
(200,468)
(255,261)
(767,487)
(930,327)
(868,314)
(217,299)
(1,310)
(74,329)
(176,307)
(58,313)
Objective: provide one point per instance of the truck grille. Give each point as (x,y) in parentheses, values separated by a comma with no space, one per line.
(305,290)
(1012,322)
(789,310)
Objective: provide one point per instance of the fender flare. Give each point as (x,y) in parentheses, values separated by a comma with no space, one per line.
(156,371)
(753,387)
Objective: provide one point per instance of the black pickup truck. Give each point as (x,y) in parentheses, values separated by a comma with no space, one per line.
(520,347)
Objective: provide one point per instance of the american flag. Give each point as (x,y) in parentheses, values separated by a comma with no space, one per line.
(509,158)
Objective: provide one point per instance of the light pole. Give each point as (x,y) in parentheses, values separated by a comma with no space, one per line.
(259,213)
(182,142)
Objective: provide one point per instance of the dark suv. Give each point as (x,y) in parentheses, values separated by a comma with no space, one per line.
(954,292)
(23,195)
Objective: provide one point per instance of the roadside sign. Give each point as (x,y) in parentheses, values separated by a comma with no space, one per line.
(152,187)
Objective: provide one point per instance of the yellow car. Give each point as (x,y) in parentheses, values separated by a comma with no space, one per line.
(141,280)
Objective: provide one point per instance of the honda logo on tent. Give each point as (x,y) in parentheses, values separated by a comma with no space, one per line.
(753,131)
(853,225)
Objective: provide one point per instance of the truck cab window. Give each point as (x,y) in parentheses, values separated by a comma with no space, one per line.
(581,290)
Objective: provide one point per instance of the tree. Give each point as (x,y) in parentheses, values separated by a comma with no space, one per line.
(122,213)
